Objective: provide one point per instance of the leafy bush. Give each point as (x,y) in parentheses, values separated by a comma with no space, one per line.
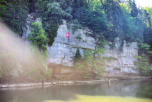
(143,61)
(79,37)
(38,36)
(52,17)
(14,14)
(93,65)
(143,64)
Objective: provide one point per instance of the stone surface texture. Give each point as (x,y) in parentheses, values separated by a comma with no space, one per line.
(64,49)
(121,58)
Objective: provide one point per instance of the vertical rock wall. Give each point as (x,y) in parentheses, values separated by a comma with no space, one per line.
(121,58)
(64,49)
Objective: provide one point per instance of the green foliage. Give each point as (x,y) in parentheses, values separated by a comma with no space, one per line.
(147,16)
(95,20)
(122,19)
(48,74)
(144,46)
(118,69)
(134,10)
(107,18)
(90,14)
(110,58)
(38,36)
(146,49)
(148,36)
(79,37)
(88,53)
(103,43)
(14,13)
(129,22)
(143,64)
(52,15)
(99,51)
(93,65)
(113,14)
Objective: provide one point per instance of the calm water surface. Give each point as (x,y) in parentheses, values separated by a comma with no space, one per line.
(140,89)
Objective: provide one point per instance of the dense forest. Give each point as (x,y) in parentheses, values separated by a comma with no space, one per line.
(106,18)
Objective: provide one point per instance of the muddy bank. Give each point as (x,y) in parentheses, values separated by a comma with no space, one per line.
(73,76)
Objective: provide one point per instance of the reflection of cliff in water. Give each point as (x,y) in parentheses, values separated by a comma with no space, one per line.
(145,90)
(122,88)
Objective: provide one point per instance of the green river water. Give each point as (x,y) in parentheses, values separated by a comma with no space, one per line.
(118,91)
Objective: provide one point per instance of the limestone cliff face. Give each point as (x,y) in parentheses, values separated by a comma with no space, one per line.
(64,49)
(121,60)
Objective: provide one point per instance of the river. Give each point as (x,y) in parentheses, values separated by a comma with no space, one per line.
(123,88)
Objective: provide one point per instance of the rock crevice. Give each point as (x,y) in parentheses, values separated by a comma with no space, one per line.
(64,48)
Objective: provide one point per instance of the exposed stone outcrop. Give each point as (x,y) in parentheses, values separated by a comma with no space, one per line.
(121,59)
(64,49)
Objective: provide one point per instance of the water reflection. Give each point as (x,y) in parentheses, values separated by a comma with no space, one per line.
(133,88)
(145,90)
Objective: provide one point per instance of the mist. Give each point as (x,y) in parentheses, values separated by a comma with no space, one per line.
(18,58)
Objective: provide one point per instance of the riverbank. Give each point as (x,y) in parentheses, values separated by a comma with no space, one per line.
(107,79)
(54,83)
(126,76)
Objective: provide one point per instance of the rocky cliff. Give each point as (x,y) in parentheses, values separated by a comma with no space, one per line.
(121,58)
(64,48)
(118,59)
